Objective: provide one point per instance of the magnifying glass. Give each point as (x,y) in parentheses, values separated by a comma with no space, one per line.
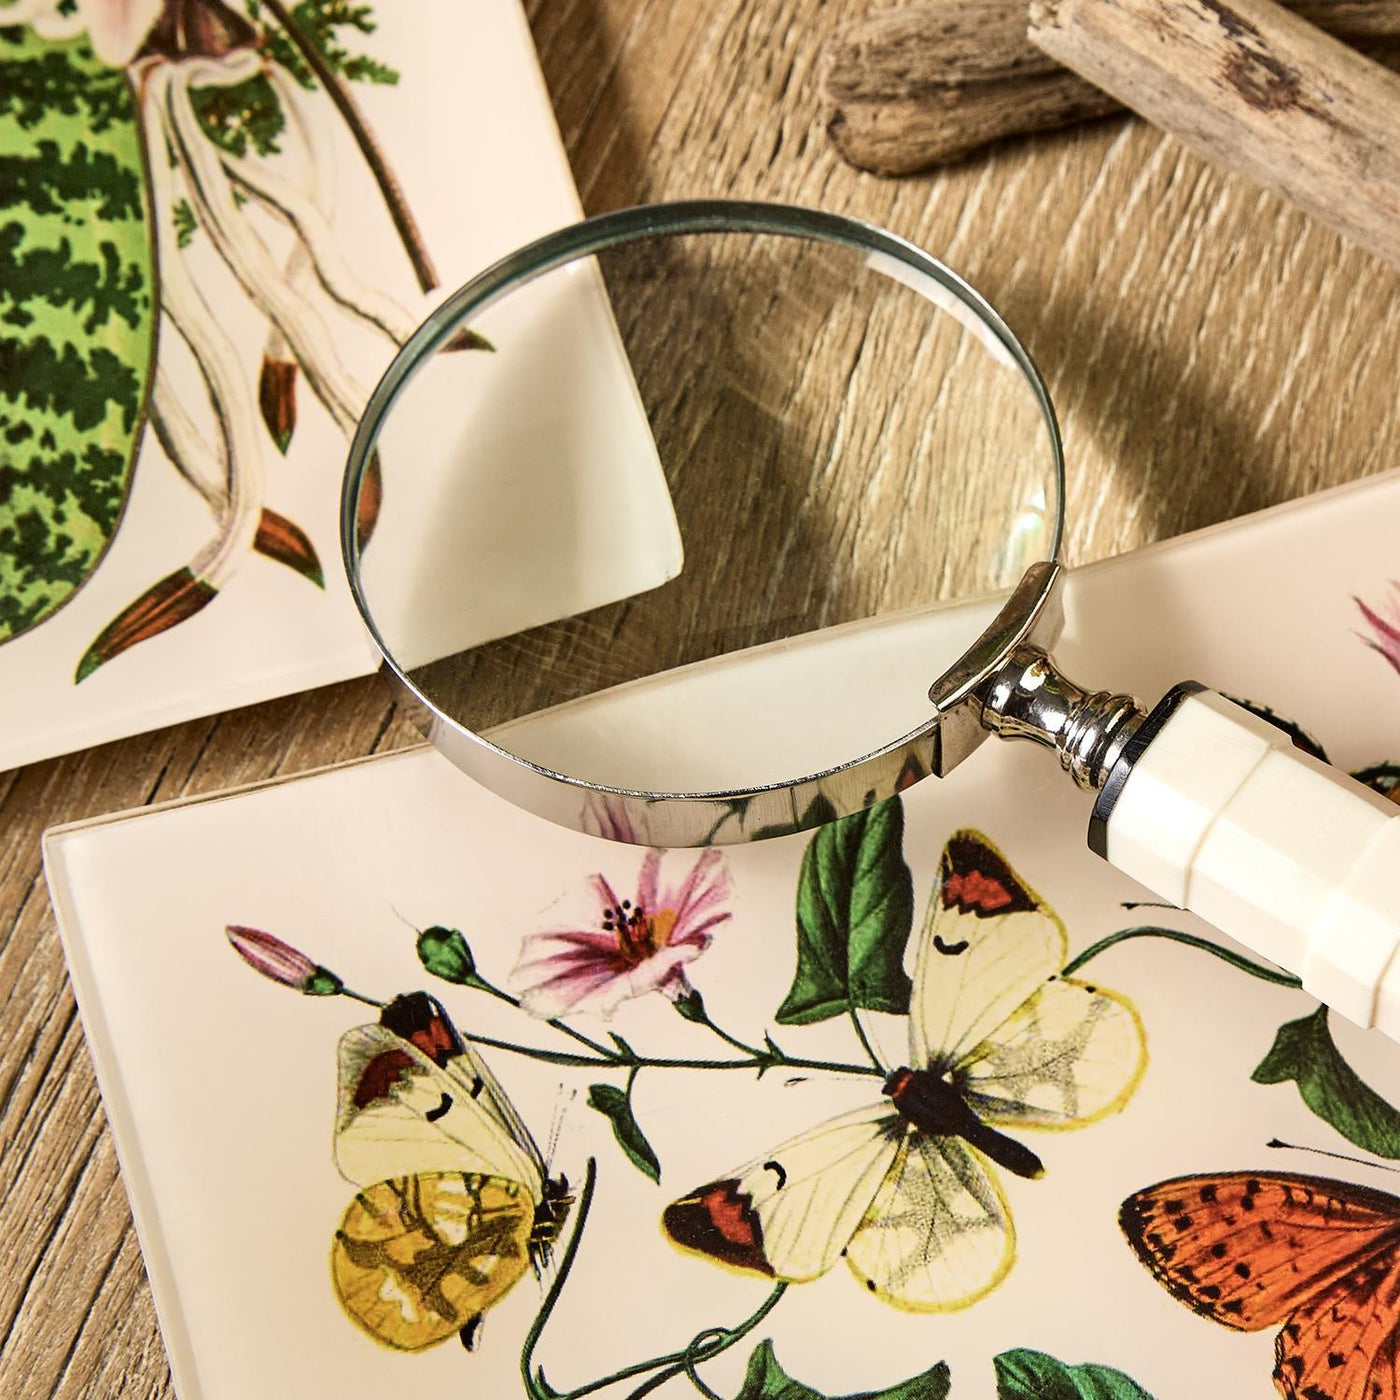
(708,522)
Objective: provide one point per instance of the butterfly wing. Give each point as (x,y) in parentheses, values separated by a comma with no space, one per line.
(1068,1055)
(400,1114)
(1252,1250)
(1342,1344)
(987,944)
(493,1097)
(417,1257)
(938,1235)
(790,1214)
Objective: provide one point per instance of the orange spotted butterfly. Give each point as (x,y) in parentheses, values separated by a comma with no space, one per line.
(1256,1250)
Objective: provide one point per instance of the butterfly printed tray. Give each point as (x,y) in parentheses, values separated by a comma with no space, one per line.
(412,1090)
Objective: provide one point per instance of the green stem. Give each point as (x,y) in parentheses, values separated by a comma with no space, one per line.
(609,1059)
(490,988)
(863,1038)
(339,93)
(732,1040)
(705,1347)
(359,996)
(692,1368)
(1265,974)
(707,1344)
(540,1390)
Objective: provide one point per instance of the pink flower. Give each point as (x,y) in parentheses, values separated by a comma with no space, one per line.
(1387,630)
(640,944)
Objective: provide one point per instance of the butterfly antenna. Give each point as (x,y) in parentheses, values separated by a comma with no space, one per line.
(1336,1156)
(562,1100)
(830,1077)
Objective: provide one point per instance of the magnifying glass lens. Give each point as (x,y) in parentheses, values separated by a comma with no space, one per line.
(701,447)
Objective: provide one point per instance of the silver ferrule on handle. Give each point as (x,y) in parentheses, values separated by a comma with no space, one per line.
(1029,697)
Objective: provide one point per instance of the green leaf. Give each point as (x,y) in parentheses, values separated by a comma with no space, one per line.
(1032,1375)
(1305,1052)
(77,317)
(855,908)
(444,953)
(765,1379)
(616,1107)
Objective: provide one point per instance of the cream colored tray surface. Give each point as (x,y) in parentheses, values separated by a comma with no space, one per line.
(716,1190)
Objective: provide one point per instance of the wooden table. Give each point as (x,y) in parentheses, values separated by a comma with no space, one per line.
(1210,350)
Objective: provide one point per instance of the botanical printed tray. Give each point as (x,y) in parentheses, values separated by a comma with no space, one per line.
(222,219)
(413,1092)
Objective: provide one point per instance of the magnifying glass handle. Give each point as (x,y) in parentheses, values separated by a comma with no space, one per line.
(1214,809)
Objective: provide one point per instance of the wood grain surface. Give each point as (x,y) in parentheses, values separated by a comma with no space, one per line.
(1211,351)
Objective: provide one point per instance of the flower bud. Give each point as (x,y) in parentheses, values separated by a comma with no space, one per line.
(444,953)
(280,962)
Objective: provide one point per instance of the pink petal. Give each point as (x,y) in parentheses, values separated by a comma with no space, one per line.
(690,899)
(1386,629)
(573,945)
(705,901)
(1387,639)
(676,986)
(526,972)
(607,896)
(700,933)
(562,994)
(646,881)
(269,955)
(658,970)
(651,976)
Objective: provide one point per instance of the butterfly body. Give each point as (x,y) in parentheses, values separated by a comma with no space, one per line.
(930,1103)
(1317,1258)
(455,1203)
(902,1189)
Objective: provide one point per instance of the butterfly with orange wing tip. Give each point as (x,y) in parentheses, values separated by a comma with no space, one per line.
(1319,1259)
(456,1199)
(903,1189)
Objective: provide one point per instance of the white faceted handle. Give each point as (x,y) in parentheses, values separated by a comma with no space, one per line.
(1214,809)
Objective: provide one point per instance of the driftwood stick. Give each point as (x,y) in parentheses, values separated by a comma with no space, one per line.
(922,85)
(1254,89)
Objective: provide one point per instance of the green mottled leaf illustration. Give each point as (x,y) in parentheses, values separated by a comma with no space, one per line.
(1304,1052)
(765,1379)
(77,317)
(855,908)
(1032,1375)
(616,1107)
